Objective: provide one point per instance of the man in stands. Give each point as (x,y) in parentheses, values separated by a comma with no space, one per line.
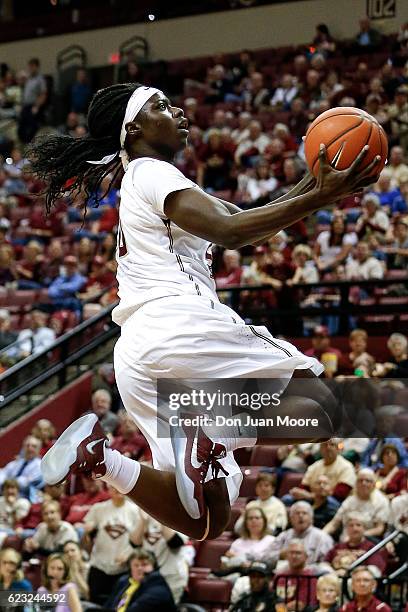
(338,470)
(324,504)
(36,338)
(231,271)
(259,596)
(101,406)
(321,346)
(26,468)
(34,98)
(293,583)
(363,266)
(343,554)
(63,289)
(372,505)
(364,585)
(50,535)
(26,526)
(7,336)
(317,543)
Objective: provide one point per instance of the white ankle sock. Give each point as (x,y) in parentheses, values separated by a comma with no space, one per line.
(239,436)
(121,472)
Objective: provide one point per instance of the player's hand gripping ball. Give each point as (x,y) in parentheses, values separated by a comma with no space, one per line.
(345,131)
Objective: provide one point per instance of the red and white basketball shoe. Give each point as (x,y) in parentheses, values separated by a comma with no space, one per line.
(194,454)
(80,448)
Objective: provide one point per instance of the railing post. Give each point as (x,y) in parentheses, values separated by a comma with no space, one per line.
(344,309)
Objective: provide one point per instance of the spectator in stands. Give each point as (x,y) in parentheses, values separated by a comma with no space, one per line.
(317,542)
(28,268)
(273,508)
(258,596)
(231,271)
(187,162)
(80,93)
(293,584)
(85,251)
(43,227)
(44,430)
(338,470)
(399,511)
(241,131)
(373,220)
(397,251)
(143,588)
(7,336)
(255,541)
(397,366)
(129,440)
(256,189)
(323,41)
(8,267)
(333,246)
(385,418)
(374,106)
(34,99)
(363,584)
(363,266)
(358,356)
(398,116)
(292,173)
(63,290)
(298,119)
(78,568)
(386,193)
(311,91)
(80,503)
(371,504)
(396,164)
(327,594)
(344,554)
(249,150)
(215,165)
(167,546)
(100,279)
(219,85)
(323,351)
(53,261)
(12,508)
(52,533)
(112,523)
(325,505)
(368,38)
(101,406)
(11,573)
(56,580)
(391,477)
(285,93)
(26,526)
(305,268)
(26,468)
(70,125)
(256,95)
(36,338)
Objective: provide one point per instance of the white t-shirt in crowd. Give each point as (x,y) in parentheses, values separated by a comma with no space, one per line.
(114,525)
(366,270)
(156,258)
(329,252)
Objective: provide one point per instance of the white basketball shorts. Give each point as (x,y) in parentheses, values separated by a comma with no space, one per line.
(192,337)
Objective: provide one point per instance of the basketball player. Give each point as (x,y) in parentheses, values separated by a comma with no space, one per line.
(172,323)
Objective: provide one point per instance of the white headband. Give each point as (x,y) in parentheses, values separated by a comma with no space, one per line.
(135,104)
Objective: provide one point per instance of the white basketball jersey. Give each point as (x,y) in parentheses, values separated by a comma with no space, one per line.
(156,258)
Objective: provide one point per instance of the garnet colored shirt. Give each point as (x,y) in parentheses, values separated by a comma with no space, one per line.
(135,447)
(344,554)
(374,605)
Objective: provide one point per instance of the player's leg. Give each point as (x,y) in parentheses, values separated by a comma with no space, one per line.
(82,448)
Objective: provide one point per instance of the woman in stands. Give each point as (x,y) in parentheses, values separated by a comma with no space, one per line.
(255,542)
(173,325)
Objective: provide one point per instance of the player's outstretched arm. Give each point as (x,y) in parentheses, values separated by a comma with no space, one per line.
(208,218)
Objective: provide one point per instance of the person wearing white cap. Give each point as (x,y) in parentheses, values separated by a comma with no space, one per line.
(172,323)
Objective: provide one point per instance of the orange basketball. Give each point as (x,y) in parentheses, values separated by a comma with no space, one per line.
(344,131)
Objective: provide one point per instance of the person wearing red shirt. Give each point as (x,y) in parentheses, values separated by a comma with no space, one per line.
(343,554)
(29,523)
(130,441)
(231,272)
(321,347)
(81,503)
(364,584)
(294,584)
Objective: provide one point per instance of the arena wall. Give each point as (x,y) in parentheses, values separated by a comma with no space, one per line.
(229,31)
(61,408)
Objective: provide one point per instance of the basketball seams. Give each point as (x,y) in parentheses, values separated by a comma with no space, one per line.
(340,135)
(320,119)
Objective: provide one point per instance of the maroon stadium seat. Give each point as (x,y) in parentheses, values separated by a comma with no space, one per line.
(289,480)
(243,456)
(33,573)
(210,553)
(13,541)
(250,474)
(264,455)
(210,592)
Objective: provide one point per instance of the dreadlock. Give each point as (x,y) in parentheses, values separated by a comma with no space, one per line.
(61,161)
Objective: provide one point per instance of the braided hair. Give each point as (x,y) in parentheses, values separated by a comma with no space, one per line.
(61,161)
